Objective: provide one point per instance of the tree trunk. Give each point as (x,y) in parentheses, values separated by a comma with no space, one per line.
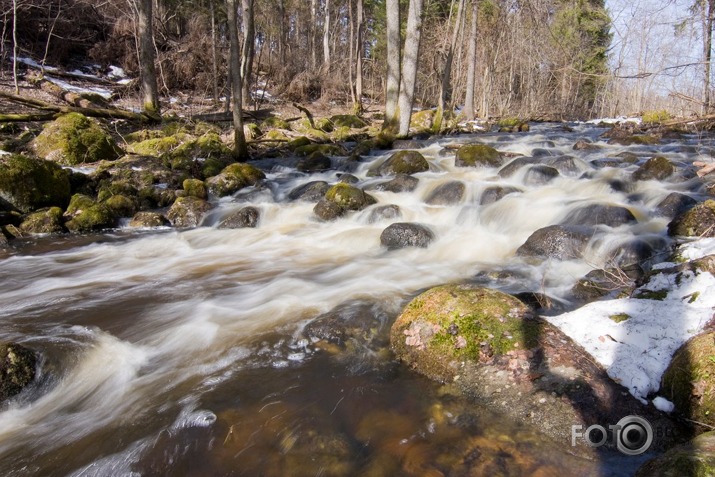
(240,150)
(14,46)
(214,56)
(313,33)
(445,83)
(150,93)
(707,52)
(326,37)
(472,65)
(248,52)
(392,87)
(409,65)
(357,107)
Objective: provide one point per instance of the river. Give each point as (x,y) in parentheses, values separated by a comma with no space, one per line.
(170,352)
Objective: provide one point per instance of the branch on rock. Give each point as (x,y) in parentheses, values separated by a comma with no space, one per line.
(307,113)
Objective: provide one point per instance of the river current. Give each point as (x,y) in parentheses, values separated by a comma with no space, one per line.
(170,352)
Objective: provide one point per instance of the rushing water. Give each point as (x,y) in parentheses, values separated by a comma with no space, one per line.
(182,353)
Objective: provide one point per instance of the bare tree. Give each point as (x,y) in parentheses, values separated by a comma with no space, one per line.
(410,57)
(150,93)
(248,51)
(240,149)
(446,64)
(392,88)
(471,63)
(326,37)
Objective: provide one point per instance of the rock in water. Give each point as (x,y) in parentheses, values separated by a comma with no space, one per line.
(247,217)
(405,234)
(17,369)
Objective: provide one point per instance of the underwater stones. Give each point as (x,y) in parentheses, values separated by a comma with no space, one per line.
(311,191)
(600,214)
(674,204)
(147,220)
(359,323)
(45,221)
(698,221)
(477,155)
(401,162)
(539,175)
(187,212)
(689,381)
(29,183)
(448,193)
(655,168)
(17,369)
(315,162)
(401,183)
(234,178)
(449,324)
(246,217)
(406,234)
(496,193)
(562,242)
(695,458)
(75,139)
(384,212)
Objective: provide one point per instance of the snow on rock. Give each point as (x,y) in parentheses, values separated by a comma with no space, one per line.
(697,249)
(635,338)
(663,404)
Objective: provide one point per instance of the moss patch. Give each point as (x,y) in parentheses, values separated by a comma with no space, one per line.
(75,139)
(696,222)
(658,295)
(620,317)
(475,155)
(29,183)
(348,197)
(234,178)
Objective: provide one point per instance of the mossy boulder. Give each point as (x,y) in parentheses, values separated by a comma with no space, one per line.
(449,324)
(45,221)
(477,155)
(689,381)
(75,139)
(698,221)
(17,369)
(347,121)
(692,459)
(29,183)
(275,123)
(195,188)
(315,162)
(325,149)
(160,146)
(234,178)
(422,120)
(298,142)
(349,197)
(121,205)
(655,168)
(96,217)
(148,220)
(188,212)
(401,162)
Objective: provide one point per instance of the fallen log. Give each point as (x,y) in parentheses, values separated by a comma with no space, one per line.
(107,113)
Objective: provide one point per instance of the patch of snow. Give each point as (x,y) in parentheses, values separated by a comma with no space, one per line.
(115,72)
(637,351)
(34,64)
(86,170)
(105,93)
(697,249)
(620,119)
(663,404)
(4,153)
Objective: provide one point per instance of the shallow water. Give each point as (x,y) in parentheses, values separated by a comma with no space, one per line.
(182,353)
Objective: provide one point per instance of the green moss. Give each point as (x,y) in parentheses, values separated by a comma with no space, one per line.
(75,139)
(473,155)
(325,149)
(508,122)
(195,188)
(696,222)
(48,221)
(233,178)
(17,369)
(422,120)
(655,117)
(658,295)
(276,123)
(93,218)
(202,127)
(636,140)
(349,197)
(298,142)
(30,183)
(620,317)
(349,121)
(78,203)
(158,146)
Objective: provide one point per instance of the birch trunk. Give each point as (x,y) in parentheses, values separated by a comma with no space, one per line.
(409,65)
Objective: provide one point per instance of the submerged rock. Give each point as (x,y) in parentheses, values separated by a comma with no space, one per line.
(496,193)
(246,217)
(448,193)
(655,168)
(401,183)
(513,166)
(405,234)
(600,214)
(17,369)
(357,323)
(311,191)
(384,212)
(698,221)
(540,174)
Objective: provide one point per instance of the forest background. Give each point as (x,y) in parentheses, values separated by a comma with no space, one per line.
(535,59)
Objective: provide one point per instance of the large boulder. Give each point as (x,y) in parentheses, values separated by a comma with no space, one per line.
(401,162)
(562,242)
(188,212)
(540,174)
(349,197)
(655,168)
(45,221)
(28,183)
(698,221)
(406,234)
(85,214)
(17,369)
(513,166)
(75,139)
(234,178)
(146,220)
(477,155)
(674,204)
(695,458)
(689,381)
(401,183)
(311,191)
(496,193)
(245,217)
